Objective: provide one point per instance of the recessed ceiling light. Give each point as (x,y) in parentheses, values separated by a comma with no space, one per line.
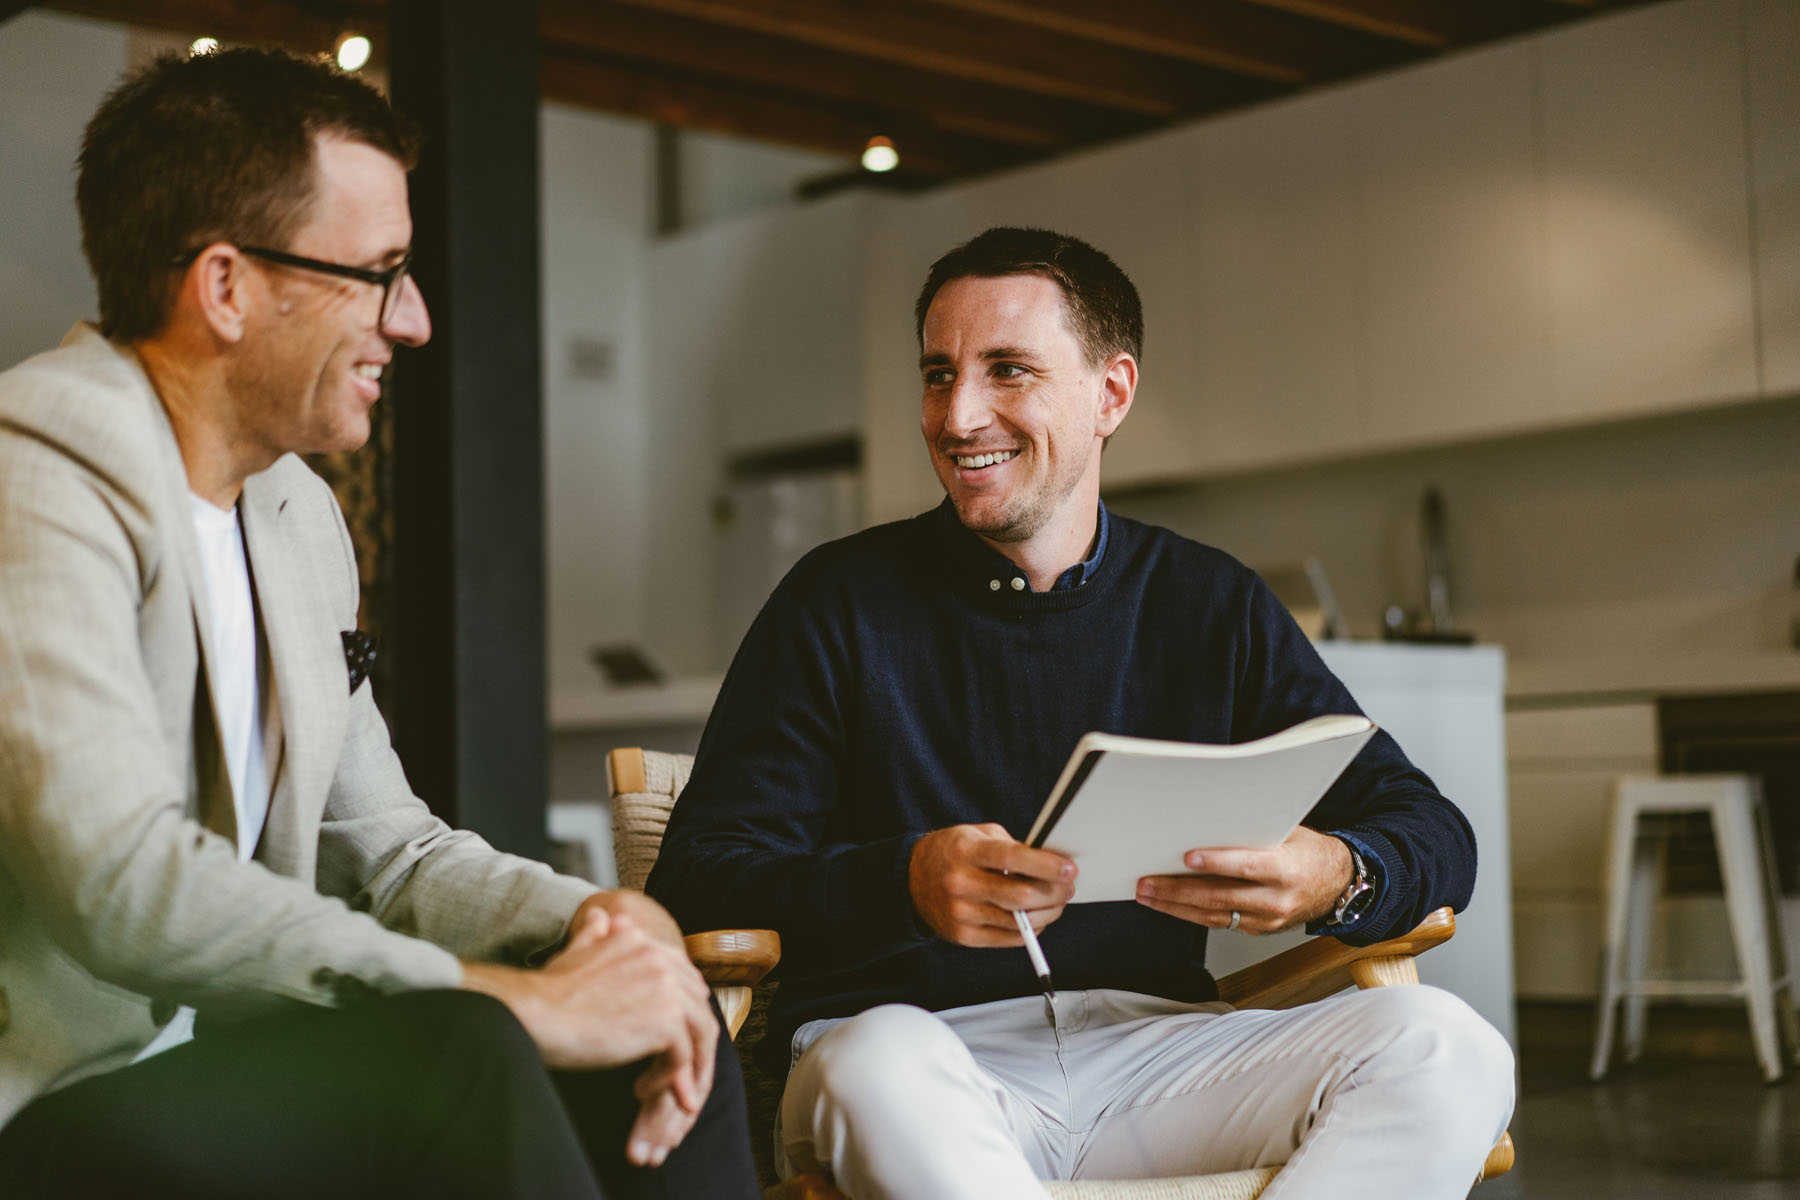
(880,155)
(353,51)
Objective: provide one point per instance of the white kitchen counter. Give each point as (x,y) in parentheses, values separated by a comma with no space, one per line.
(594,709)
(1560,681)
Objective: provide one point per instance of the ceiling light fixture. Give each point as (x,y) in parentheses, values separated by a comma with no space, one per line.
(202,45)
(879,155)
(353,51)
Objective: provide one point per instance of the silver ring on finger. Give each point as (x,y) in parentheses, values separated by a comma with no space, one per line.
(1234,919)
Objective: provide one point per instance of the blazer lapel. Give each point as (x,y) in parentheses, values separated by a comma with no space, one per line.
(306,660)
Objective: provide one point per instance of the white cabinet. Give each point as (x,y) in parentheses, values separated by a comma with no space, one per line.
(768,309)
(1646,210)
(1443,705)
(897,476)
(1561,764)
(1273,300)
(1452,273)
(795,335)
(1772,46)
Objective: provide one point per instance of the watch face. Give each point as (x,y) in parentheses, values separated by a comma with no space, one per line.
(1359,895)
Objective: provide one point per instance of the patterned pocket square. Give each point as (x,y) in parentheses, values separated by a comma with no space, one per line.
(359,655)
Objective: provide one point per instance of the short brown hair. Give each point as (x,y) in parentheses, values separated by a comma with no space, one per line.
(1104,309)
(189,151)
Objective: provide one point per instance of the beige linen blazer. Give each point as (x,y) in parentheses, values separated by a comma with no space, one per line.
(121,894)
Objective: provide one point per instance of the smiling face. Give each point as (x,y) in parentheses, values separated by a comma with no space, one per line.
(1014,415)
(311,363)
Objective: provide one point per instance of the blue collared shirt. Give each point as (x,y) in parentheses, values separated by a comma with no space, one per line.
(1079,574)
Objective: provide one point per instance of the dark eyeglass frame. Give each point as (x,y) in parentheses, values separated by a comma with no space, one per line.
(388,279)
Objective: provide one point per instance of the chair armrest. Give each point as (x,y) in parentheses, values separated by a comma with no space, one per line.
(734,957)
(1324,966)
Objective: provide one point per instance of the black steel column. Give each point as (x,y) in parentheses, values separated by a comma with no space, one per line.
(467,636)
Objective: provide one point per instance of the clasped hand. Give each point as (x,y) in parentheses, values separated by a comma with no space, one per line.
(620,990)
(968,880)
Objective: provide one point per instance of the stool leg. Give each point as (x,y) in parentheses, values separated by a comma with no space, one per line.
(1618,914)
(1746,901)
(1646,871)
(1782,967)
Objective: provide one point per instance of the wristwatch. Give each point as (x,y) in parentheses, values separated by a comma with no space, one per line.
(1358,896)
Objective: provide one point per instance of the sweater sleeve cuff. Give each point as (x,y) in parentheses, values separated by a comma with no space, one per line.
(1374,922)
(913,928)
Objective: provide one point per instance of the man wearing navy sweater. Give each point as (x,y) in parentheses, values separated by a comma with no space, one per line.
(890,727)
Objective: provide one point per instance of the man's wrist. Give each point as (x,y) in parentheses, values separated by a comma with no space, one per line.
(1359,895)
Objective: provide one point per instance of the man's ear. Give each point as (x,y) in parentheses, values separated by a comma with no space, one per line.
(216,290)
(1118,384)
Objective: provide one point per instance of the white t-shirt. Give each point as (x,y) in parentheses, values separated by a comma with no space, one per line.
(243,692)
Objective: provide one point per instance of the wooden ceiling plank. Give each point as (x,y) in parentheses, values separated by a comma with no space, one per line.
(1033,60)
(1202,31)
(664,96)
(1437,24)
(1421,22)
(807,70)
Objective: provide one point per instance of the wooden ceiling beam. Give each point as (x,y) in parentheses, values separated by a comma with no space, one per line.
(1416,21)
(985,48)
(809,72)
(1263,43)
(668,97)
(1435,24)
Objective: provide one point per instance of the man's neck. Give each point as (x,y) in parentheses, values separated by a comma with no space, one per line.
(198,403)
(1065,540)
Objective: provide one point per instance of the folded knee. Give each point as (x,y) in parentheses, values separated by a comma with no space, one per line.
(877,1049)
(1453,1051)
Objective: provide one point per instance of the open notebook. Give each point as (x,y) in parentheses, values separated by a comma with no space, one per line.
(1126,807)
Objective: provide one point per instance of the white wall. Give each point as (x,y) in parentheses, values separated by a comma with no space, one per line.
(723,177)
(596,218)
(54,70)
(1672,536)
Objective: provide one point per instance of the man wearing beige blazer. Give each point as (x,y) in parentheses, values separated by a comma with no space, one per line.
(200,812)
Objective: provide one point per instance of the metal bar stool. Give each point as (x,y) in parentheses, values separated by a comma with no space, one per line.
(1641,805)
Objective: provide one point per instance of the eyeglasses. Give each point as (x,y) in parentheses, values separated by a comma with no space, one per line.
(389,279)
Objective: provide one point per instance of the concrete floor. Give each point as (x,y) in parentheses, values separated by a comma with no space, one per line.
(1691,1120)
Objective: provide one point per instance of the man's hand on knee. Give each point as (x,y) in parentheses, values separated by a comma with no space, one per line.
(968,880)
(618,993)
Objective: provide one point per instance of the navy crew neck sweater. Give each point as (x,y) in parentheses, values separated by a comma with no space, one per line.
(896,683)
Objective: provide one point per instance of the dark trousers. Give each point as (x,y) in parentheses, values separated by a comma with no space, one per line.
(436,1094)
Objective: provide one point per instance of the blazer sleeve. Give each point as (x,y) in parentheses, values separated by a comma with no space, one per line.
(380,846)
(95,834)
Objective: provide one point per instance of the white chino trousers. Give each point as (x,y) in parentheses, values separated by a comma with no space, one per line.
(1392,1091)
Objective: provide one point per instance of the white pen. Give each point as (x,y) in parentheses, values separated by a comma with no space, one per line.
(1038,963)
